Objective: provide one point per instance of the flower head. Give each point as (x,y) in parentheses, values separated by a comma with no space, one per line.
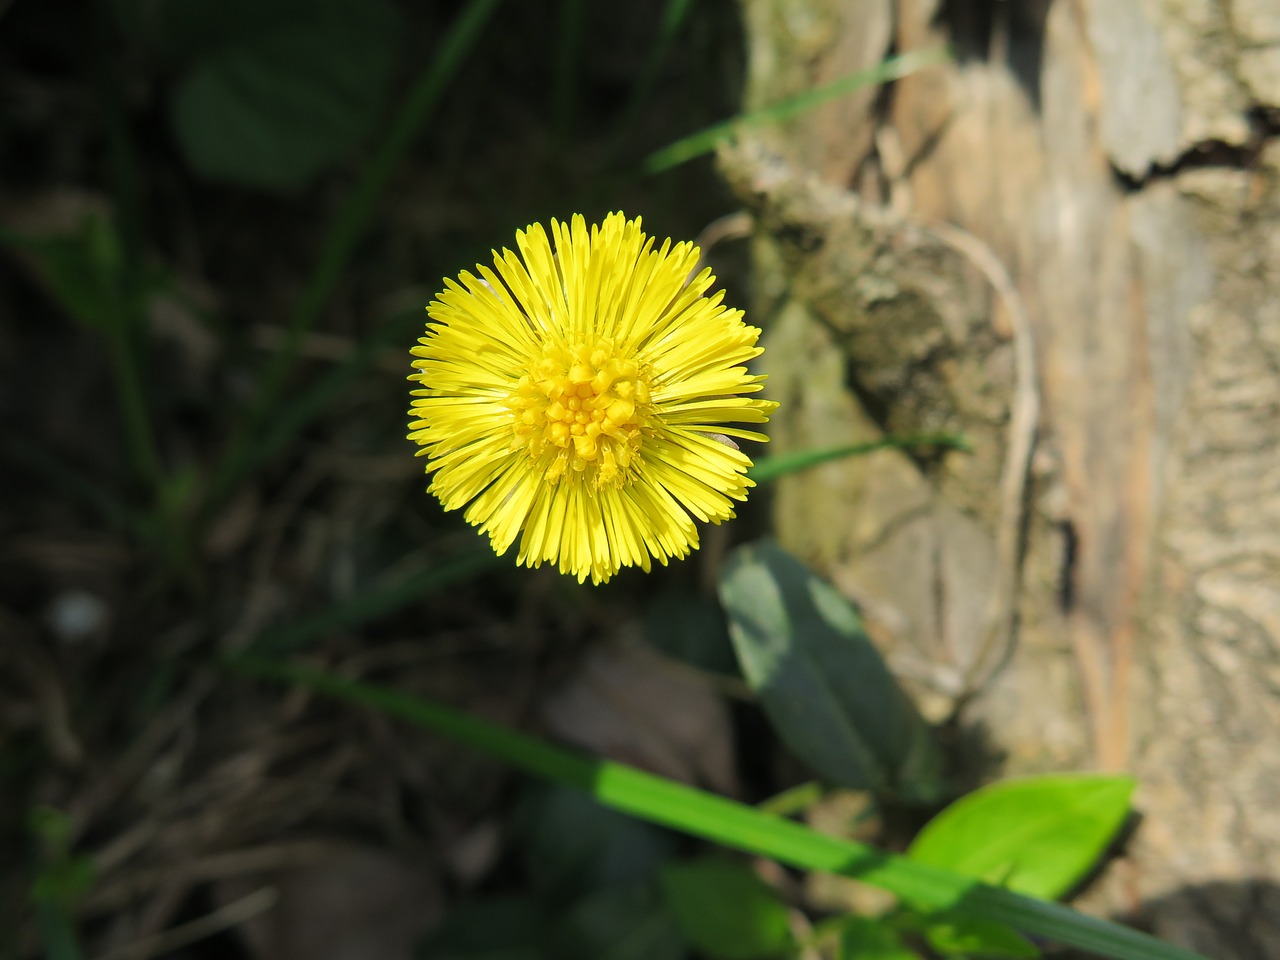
(575,396)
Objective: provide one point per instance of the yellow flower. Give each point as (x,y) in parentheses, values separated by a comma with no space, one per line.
(573,397)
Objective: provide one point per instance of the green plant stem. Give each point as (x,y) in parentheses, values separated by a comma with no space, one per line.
(295,412)
(126,318)
(573,21)
(143,451)
(350,226)
(770,468)
(377,600)
(734,824)
(57,931)
(674,15)
(24,455)
(795,800)
(705,140)
(122,160)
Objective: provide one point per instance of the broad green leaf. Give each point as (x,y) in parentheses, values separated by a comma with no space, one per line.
(298,87)
(821,680)
(726,910)
(870,938)
(953,935)
(1035,835)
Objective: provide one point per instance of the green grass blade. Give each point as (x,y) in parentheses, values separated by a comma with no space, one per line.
(128,351)
(295,413)
(135,412)
(768,469)
(79,484)
(57,932)
(354,217)
(793,800)
(91,279)
(573,25)
(674,15)
(705,140)
(734,824)
(378,600)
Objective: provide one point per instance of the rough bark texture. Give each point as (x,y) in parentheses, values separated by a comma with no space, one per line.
(1070,235)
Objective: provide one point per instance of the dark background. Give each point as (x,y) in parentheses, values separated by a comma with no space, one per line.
(175,486)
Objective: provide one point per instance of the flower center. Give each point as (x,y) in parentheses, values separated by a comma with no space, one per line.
(586,404)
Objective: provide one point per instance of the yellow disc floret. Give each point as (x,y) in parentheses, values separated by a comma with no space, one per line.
(588,405)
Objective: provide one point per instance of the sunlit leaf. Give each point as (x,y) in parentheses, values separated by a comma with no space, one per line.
(953,935)
(1035,835)
(726,910)
(870,938)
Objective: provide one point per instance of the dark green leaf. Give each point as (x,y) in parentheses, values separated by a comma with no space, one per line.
(295,90)
(83,271)
(64,881)
(575,846)
(821,680)
(869,938)
(1037,835)
(690,627)
(52,828)
(726,910)
(57,931)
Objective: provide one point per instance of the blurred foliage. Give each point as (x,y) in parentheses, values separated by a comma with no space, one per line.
(593,891)
(62,879)
(727,911)
(275,93)
(957,914)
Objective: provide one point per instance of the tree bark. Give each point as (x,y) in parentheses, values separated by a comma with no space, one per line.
(1066,245)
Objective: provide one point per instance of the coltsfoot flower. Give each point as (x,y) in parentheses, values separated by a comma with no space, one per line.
(576,396)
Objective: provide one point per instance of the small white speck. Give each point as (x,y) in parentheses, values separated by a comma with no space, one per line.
(76,615)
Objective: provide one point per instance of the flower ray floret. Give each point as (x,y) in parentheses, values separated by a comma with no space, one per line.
(576,395)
